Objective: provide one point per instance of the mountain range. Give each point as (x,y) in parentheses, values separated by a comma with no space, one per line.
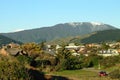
(58,31)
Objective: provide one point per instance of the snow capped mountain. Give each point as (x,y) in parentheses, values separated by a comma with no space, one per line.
(74,24)
(58,31)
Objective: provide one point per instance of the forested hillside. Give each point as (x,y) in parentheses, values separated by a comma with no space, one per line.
(58,31)
(103,36)
(5,40)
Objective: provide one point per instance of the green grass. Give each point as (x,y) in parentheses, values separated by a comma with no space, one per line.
(80,75)
(75,73)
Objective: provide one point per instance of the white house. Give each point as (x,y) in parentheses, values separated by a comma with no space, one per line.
(72,46)
(109,52)
(75,54)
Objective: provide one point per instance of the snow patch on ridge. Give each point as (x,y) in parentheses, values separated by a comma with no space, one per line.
(96,23)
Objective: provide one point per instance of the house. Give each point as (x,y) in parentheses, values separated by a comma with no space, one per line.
(12,49)
(48,48)
(82,49)
(118,50)
(109,52)
(13,45)
(58,47)
(3,52)
(93,45)
(75,54)
(72,46)
(115,45)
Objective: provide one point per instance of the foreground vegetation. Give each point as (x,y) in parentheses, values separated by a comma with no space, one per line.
(37,64)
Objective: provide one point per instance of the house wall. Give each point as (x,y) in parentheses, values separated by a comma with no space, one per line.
(3,52)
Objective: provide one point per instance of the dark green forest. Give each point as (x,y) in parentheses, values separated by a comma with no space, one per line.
(99,37)
(5,40)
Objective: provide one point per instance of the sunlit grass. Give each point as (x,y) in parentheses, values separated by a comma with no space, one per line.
(80,75)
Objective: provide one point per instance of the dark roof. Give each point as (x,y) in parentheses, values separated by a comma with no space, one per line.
(13,51)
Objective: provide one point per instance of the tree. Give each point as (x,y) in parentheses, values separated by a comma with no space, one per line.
(92,60)
(32,49)
(61,57)
(66,61)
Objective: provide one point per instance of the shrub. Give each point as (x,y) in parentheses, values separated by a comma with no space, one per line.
(61,65)
(43,62)
(73,63)
(24,59)
(13,70)
(110,61)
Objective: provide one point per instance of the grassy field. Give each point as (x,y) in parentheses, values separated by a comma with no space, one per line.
(80,75)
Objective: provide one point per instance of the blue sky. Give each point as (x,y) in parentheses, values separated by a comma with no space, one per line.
(29,14)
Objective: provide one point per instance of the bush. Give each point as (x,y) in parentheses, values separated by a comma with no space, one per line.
(61,65)
(13,70)
(110,61)
(24,59)
(115,74)
(73,63)
(43,62)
